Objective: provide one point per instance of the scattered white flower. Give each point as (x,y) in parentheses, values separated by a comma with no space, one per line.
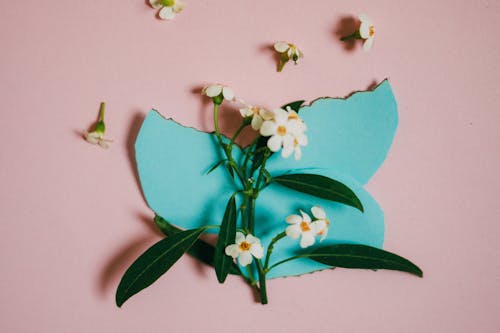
(366,31)
(286,130)
(96,136)
(259,115)
(302,226)
(323,222)
(167,8)
(218,92)
(244,248)
(287,51)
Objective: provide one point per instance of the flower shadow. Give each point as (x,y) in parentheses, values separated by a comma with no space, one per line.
(134,127)
(346,26)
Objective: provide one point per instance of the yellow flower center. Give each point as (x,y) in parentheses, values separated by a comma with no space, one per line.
(293,116)
(244,246)
(281,130)
(304,226)
(255,110)
(295,142)
(371,31)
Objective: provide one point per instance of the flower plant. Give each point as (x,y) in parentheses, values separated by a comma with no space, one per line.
(238,250)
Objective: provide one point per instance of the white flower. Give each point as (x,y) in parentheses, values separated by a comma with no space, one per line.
(303,227)
(96,138)
(168,8)
(287,51)
(322,221)
(366,31)
(218,91)
(245,248)
(259,115)
(286,130)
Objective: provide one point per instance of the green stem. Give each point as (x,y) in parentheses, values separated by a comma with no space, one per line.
(262,283)
(270,248)
(284,261)
(262,170)
(251,215)
(354,35)
(101,111)
(238,131)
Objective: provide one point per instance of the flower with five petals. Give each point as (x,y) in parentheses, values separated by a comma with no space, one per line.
(245,248)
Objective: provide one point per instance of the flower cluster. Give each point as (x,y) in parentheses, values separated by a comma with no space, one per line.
(167,8)
(286,130)
(284,127)
(304,227)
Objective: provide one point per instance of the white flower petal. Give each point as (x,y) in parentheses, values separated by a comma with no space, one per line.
(305,217)
(318,212)
(268,128)
(251,239)
(257,250)
(245,258)
(266,114)
(228,93)
(302,140)
(166,13)
(178,6)
(364,18)
(256,122)
(307,239)
(293,231)
(318,226)
(246,112)
(240,237)
(293,219)
(298,153)
(288,141)
(281,47)
(367,45)
(213,90)
(287,151)
(233,250)
(274,143)
(155,4)
(281,116)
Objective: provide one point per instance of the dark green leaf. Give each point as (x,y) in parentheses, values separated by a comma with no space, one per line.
(200,250)
(227,233)
(215,166)
(259,155)
(362,256)
(154,263)
(295,106)
(322,187)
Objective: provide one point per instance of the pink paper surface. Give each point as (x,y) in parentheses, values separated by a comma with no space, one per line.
(73,217)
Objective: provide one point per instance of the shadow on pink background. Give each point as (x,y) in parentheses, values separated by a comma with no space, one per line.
(73,216)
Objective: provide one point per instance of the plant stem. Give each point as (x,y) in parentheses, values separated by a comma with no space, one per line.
(262,170)
(262,283)
(238,131)
(251,214)
(271,247)
(102,107)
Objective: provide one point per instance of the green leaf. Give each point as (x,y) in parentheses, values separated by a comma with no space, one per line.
(362,256)
(322,187)
(260,153)
(200,250)
(295,106)
(154,263)
(215,166)
(227,233)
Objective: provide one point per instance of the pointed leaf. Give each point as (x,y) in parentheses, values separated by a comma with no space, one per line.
(362,256)
(295,106)
(215,166)
(227,233)
(200,250)
(154,263)
(322,187)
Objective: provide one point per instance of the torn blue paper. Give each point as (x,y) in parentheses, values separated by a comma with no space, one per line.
(348,141)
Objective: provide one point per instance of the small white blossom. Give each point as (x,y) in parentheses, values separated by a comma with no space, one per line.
(96,136)
(286,130)
(302,226)
(366,31)
(244,248)
(167,8)
(259,115)
(288,51)
(323,222)
(218,91)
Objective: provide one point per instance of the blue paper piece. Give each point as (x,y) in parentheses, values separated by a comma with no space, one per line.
(348,141)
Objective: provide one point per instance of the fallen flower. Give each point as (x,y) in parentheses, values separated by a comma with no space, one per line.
(168,8)
(96,136)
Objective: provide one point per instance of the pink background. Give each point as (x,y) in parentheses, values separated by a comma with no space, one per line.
(73,217)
